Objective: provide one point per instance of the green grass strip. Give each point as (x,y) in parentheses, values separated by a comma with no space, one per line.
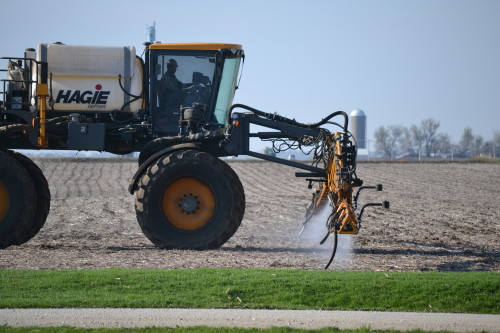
(483,160)
(470,292)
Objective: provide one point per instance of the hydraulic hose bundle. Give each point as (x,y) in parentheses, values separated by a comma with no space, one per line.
(336,153)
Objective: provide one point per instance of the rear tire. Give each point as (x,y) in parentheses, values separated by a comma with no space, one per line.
(189,200)
(42,197)
(17,201)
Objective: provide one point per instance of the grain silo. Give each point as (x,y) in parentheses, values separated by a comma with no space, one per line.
(358,127)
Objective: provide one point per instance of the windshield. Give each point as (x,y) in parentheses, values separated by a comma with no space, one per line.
(227,88)
(182,80)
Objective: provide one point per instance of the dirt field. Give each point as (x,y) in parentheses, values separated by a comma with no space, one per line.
(443,217)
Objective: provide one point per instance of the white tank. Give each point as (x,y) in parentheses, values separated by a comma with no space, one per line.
(85,78)
(358,127)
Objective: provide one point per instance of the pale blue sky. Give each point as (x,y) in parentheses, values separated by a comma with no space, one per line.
(400,61)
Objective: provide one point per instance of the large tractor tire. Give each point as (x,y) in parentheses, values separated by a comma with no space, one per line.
(189,200)
(42,197)
(17,201)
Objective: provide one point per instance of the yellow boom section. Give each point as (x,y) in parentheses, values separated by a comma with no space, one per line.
(339,185)
(337,189)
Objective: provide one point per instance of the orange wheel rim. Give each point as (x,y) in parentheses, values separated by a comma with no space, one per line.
(188,203)
(4,201)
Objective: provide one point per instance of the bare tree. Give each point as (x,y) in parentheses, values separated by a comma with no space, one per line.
(477,145)
(394,139)
(466,142)
(496,144)
(496,138)
(488,149)
(397,132)
(407,144)
(455,150)
(382,141)
(418,138)
(443,144)
(429,129)
(388,139)
(491,147)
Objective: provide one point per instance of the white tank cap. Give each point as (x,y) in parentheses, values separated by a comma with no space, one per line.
(357,113)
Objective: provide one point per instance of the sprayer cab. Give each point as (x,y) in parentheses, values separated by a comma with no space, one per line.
(194,83)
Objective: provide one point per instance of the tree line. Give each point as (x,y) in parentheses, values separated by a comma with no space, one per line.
(424,140)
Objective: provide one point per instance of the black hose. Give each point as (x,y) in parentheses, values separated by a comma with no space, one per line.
(57,124)
(126,92)
(291,121)
(135,97)
(57,119)
(335,241)
(13,127)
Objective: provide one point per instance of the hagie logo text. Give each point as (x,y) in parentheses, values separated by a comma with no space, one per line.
(94,99)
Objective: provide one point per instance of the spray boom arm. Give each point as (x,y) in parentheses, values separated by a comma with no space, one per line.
(333,167)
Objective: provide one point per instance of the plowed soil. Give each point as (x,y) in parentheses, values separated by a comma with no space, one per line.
(443,217)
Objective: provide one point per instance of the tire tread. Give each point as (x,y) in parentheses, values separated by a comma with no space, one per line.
(229,181)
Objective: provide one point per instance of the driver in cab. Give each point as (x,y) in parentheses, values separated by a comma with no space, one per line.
(172,90)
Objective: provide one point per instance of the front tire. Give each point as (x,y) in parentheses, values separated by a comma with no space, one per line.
(189,200)
(17,201)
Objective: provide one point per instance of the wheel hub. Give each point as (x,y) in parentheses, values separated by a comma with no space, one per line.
(189,203)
